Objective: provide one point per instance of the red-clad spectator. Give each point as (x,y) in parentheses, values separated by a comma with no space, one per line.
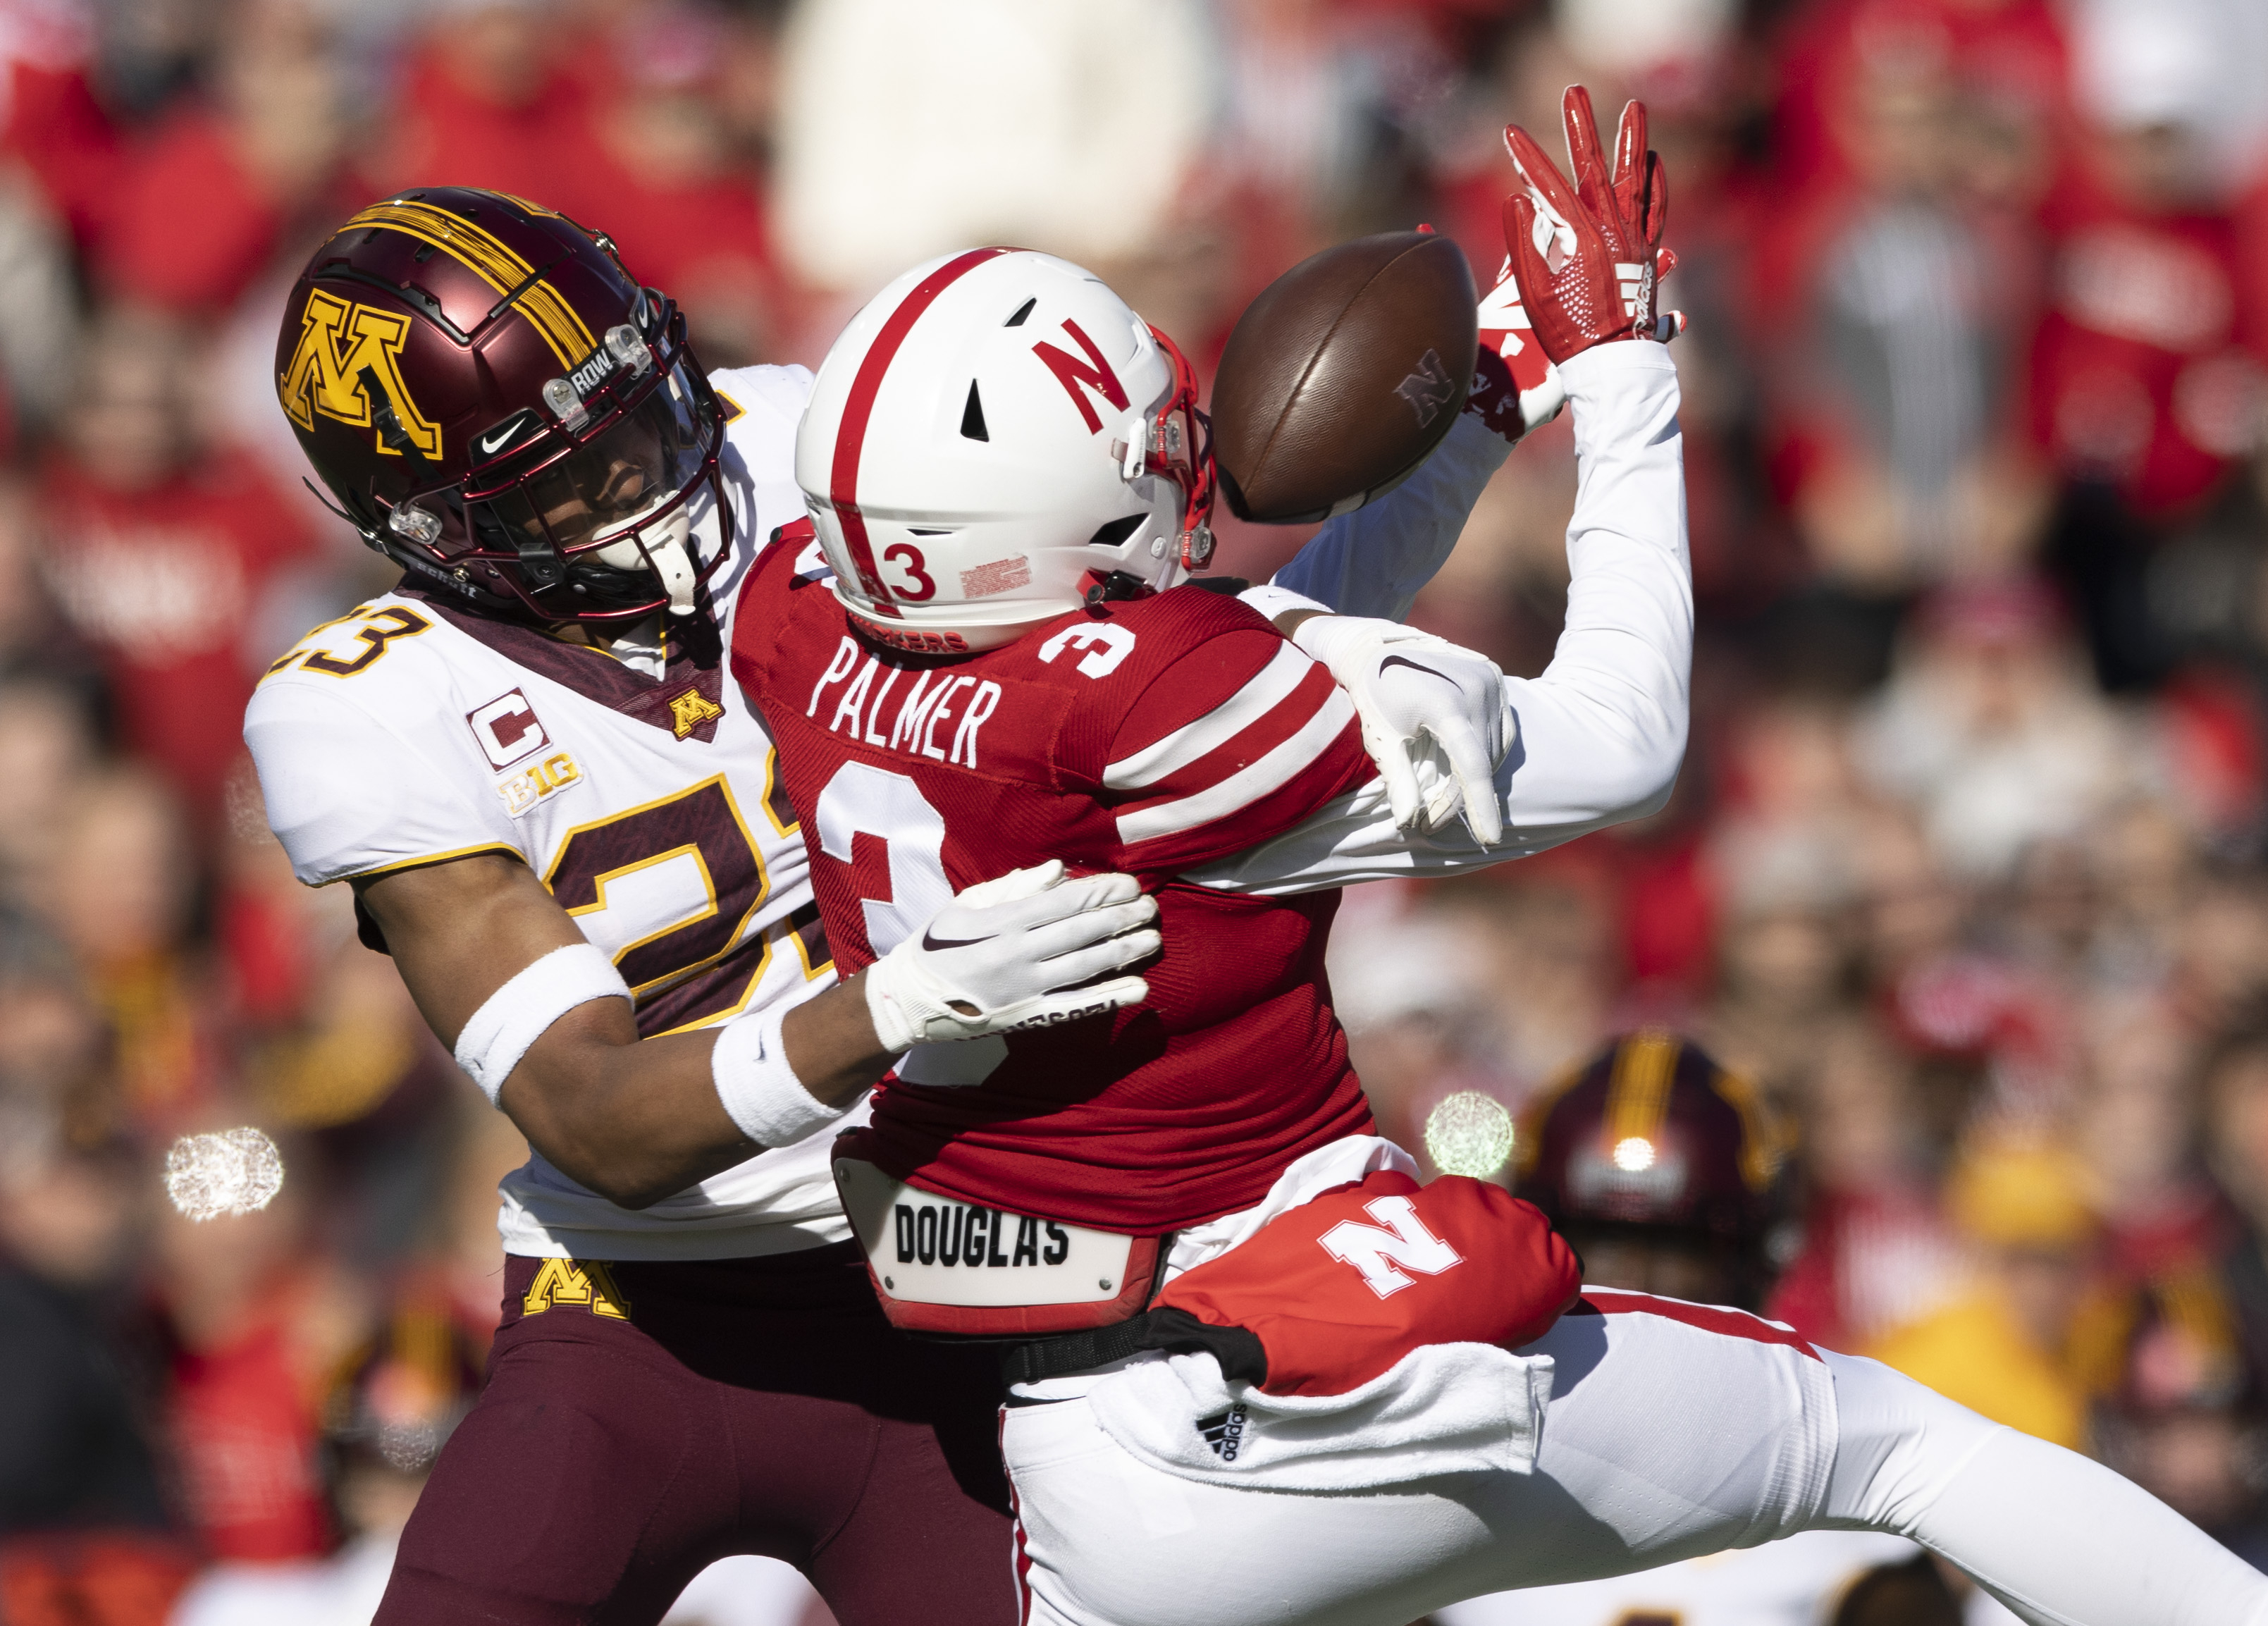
(2136,378)
(163,557)
(54,122)
(259,1325)
(656,169)
(1889,295)
(384,1424)
(2253,267)
(203,204)
(2008,57)
(1875,1253)
(487,99)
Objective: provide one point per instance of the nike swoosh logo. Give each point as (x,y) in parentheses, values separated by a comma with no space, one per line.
(1404,660)
(496,437)
(933,942)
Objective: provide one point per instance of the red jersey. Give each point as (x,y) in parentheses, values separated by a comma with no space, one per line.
(168,585)
(1147,737)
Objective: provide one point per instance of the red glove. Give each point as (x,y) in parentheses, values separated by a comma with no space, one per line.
(1515,387)
(1591,276)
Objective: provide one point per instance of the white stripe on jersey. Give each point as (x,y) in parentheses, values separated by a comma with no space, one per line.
(1215,728)
(1271,773)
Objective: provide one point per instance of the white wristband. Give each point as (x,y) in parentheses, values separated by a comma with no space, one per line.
(1272,601)
(1328,638)
(759,1090)
(516,1014)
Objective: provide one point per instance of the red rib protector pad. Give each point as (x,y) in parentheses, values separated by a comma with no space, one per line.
(1341,1288)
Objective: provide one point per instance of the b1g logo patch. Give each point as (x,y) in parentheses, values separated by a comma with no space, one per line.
(508,729)
(346,354)
(538,781)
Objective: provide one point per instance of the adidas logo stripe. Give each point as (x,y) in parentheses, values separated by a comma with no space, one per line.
(1224,1433)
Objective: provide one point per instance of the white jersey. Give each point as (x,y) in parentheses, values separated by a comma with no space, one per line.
(411,730)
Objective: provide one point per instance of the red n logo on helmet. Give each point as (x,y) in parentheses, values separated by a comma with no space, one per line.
(1095,373)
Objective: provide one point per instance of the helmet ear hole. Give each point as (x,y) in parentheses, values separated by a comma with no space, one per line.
(1114,532)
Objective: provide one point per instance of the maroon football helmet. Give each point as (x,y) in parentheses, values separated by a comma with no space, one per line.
(496,404)
(1652,1134)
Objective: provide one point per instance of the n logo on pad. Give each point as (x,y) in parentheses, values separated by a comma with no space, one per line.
(1399,1239)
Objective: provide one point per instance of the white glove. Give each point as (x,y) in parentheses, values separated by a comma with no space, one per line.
(990,960)
(1424,703)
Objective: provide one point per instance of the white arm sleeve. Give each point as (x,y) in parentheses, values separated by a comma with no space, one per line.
(347,795)
(1374,560)
(1602,732)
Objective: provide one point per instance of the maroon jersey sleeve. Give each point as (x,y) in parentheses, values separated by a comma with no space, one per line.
(1237,740)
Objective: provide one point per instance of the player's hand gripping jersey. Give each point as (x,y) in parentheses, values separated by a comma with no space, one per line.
(644,796)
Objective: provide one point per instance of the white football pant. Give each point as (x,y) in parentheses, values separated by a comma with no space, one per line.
(1663,1440)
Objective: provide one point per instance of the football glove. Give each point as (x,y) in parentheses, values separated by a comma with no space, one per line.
(1588,257)
(1010,954)
(1433,717)
(1515,387)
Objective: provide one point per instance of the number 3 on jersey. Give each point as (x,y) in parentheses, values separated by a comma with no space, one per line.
(337,657)
(881,824)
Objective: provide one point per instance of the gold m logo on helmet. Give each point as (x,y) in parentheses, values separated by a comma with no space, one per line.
(343,351)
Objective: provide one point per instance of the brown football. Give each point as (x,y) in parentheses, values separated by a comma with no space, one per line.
(1343,375)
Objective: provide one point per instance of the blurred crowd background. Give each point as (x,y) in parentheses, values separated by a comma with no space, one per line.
(1965,870)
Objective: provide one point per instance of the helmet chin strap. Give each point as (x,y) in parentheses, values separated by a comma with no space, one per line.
(668,550)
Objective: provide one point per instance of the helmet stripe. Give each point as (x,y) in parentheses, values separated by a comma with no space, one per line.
(1759,1136)
(1638,1094)
(488,258)
(850,437)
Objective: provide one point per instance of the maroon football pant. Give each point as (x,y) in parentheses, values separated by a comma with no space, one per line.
(648,1419)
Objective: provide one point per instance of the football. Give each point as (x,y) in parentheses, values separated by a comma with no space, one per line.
(1343,375)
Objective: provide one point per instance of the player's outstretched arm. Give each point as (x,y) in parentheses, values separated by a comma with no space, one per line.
(1439,710)
(631,1120)
(541,1021)
(1599,737)
(1342,597)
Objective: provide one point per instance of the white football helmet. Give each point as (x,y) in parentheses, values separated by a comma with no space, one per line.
(992,437)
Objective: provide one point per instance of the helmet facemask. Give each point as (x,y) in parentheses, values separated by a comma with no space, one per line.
(1181,450)
(582,506)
